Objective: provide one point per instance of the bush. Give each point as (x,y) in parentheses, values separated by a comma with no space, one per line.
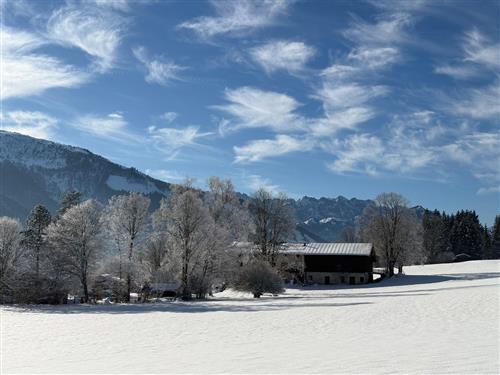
(258,277)
(108,286)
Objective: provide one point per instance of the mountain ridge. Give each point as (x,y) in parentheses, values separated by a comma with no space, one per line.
(40,171)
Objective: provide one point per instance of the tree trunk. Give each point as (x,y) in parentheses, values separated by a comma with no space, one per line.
(85,291)
(129,277)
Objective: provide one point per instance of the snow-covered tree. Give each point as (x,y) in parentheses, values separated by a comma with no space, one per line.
(10,251)
(393,229)
(274,222)
(75,240)
(227,210)
(127,217)
(195,243)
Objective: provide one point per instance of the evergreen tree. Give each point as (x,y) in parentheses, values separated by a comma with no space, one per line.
(70,199)
(435,241)
(34,235)
(466,234)
(495,239)
(486,243)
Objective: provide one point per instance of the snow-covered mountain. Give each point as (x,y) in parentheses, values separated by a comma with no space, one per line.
(38,171)
(327,217)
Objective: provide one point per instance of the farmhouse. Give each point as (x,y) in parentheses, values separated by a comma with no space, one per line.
(321,263)
(332,263)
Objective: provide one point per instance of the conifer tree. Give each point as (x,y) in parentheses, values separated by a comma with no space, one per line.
(466,234)
(495,239)
(70,199)
(486,242)
(34,236)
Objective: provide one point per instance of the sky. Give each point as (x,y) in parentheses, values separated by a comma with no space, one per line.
(316,98)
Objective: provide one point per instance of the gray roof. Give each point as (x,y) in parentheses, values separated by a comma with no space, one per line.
(315,248)
(362,249)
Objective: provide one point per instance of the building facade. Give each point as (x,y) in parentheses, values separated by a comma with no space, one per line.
(320,263)
(332,263)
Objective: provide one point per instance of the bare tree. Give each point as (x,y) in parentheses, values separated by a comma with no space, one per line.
(75,239)
(127,217)
(392,228)
(10,250)
(274,222)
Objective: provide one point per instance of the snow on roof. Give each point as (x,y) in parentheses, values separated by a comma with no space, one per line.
(318,248)
(315,248)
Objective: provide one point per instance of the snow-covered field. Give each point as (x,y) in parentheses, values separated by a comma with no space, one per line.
(436,319)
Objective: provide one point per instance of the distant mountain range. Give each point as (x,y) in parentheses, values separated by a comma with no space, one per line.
(38,171)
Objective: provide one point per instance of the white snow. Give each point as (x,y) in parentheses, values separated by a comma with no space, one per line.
(326,220)
(436,319)
(120,183)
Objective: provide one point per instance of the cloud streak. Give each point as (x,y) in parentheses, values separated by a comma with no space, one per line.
(291,56)
(26,72)
(96,31)
(236,17)
(158,70)
(258,150)
(32,123)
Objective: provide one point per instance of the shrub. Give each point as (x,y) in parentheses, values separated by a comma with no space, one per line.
(258,277)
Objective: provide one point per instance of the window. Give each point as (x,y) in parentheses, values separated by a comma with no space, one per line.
(361,279)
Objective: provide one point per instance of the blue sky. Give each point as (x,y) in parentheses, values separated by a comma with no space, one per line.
(318,98)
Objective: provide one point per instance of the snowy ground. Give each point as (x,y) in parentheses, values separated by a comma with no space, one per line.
(436,319)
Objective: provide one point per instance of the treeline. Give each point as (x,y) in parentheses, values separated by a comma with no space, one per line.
(113,250)
(95,251)
(446,237)
(401,238)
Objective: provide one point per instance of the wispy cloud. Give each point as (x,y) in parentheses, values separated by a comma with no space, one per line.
(458,71)
(159,70)
(291,56)
(254,108)
(113,127)
(27,72)
(417,145)
(95,30)
(388,29)
(355,154)
(374,58)
(34,124)
(254,182)
(489,190)
(234,17)
(481,50)
(166,175)
(258,150)
(169,117)
(478,53)
(121,5)
(171,140)
(477,103)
